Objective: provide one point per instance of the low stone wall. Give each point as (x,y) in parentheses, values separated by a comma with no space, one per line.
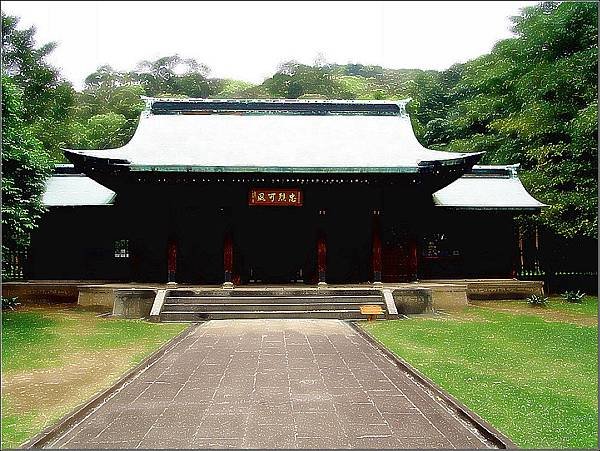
(412,300)
(449,296)
(96,296)
(40,292)
(133,303)
(492,291)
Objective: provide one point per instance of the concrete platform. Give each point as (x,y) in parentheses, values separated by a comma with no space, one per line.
(272,384)
(415,297)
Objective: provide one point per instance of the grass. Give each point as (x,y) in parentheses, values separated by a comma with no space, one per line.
(588,306)
(533,378)
(54,359)
(556,309)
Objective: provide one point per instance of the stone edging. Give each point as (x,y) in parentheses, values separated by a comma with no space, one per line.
(80,412)
(484,428)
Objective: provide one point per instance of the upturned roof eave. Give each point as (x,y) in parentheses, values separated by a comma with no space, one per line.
(81,159)
(528,208)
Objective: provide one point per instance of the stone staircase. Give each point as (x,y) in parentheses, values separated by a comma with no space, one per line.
(185,305)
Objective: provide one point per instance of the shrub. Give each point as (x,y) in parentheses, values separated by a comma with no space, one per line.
(10,303)
(573,296)
(536,300)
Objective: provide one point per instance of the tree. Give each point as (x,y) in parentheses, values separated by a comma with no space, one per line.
(103,131)
(533,101)
(431,100)
(25,166)
(176,75)
(294,80)
(48,99)
(107,110)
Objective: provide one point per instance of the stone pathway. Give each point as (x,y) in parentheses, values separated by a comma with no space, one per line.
(272,384)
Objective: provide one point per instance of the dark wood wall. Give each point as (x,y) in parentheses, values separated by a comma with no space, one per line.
(467,244)
(271,244)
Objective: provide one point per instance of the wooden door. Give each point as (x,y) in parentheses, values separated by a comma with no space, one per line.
(399,256)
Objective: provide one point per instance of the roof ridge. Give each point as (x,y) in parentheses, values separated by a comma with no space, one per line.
(273,106)
(280,100)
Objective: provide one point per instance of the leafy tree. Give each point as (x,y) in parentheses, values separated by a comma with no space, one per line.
(107,90)
(362,70)
(294,80)
(176,75)
(103,131)
(533,101)
(107,110)
(232,89)
(48,99)
(25,166)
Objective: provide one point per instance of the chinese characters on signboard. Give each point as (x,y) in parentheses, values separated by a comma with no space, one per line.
(275,197)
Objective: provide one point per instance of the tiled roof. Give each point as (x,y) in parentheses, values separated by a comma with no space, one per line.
(487,188)
(275,136)
(64,190)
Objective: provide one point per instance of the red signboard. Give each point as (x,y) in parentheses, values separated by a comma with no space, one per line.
(275,197)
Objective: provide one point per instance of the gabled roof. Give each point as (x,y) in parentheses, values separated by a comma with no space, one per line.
(65,189)
(275,136)
(487,188)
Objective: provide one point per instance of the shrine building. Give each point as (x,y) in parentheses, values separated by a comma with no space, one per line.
(277,192)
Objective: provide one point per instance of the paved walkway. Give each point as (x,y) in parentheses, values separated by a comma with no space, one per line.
(271,384)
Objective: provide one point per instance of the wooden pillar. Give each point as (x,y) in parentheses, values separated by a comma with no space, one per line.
(412,255)
(172,261)
(537,249)
(228,258)
(322,250)
(518,257)
(376,262)
(322,257)
(521,246)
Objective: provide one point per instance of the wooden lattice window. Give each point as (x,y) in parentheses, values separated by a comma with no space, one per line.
(436,245)
(122,249)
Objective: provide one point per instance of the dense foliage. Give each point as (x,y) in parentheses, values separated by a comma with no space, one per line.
(47,98)
(25,167)
(108,108)
(35,103)
(533,101)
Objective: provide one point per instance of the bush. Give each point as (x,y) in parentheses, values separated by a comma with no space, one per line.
(573,296)
(10,303)
(536,300)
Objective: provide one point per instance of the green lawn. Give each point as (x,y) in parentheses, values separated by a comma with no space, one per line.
(54,359)
(588,306)
(534,378)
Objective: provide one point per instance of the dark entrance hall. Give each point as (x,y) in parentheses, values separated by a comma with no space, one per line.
(274,245)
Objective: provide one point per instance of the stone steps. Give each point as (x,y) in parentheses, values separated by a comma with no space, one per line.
(270,293)
(244,314)
(191,305)
(241,300)
(264,306)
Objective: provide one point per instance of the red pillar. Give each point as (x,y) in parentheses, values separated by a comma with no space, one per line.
(537,249)
(322,257)
(517,254)
(412,249)
(172,261)
(228,257)
(376,253)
